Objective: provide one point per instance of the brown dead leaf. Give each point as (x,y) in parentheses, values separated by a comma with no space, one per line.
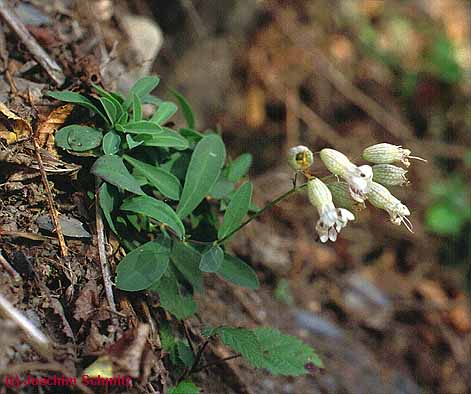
(460,316)
(53,122)
(12,127)
(87,301)
(433,292)
(125,356)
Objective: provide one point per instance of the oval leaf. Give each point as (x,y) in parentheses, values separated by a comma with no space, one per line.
(237,209)
(111,142)
(236,271)
(164,112)
(157,210)
(111,169)
(239,167)
(83,138)
(143,265)
(212,259)
(187,259)
(203,171)
(167,139)
(142,127)
(165,182)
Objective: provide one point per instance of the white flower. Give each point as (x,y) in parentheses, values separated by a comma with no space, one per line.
(358,178)
(381,198)
(385,153)
(331,219)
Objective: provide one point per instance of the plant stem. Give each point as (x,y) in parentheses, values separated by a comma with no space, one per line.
(270,205)
(215,363)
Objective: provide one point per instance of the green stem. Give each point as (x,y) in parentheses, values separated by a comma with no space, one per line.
(270,205)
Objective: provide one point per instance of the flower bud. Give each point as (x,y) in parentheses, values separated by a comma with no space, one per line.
(342,197)
(385,153)
(318,193)
(381,198)
(300,158)
(389,175)
(336,162)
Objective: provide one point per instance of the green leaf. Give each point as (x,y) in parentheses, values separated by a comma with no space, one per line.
(203,171)
(237,209)
(222,188)
(110,109)
(76,98)
(239,167)
(236,271)
(142,88)
(285,354)
(149,99)
(78,138)
(165,182)
(136,108)
(132,143)
(164,112)
(184,387)
(166,139)
(442,219)
(144,265)
(270,349)
(187,259)
(191,135)
(157,210)
(171,298)
(212,259)
(111,143)
(242,341)
(107,198)
(186,109)
(111,169)
(61,137)
(143,127)
(185,354)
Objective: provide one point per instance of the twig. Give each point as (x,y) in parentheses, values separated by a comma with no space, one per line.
(51,67)
(270,205)
(105,269)
(11,271)
(222,360)
(188,338)
(196,20)
(52,366)
(36,338)
(50,200)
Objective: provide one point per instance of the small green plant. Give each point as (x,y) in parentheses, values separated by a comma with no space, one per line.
(163,192)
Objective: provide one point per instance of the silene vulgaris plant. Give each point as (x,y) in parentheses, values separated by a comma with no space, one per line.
(173,199)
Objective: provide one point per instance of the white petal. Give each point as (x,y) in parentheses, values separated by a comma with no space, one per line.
(332,234)
(346,214)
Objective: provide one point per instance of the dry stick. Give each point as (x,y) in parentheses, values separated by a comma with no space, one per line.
(11,271)
(41,56)
(34,336)
(105,269)
(50,200)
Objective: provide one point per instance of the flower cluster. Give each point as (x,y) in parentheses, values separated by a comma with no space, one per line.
(334,201)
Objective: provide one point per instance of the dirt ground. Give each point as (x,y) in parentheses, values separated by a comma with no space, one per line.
(387,310)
